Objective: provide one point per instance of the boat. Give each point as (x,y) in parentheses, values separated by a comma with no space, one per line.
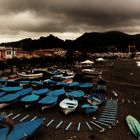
(25,130)
(24,75)
(57,77)
(24,83)
(2,93)
(73,84)
(11,89)
(48,102)
(40,92)
(86,85)
(89,109)
(91,72)
(62,84)
(58,92)
(24,92)
(4,133)
(8,99)
(95,99)
(68,105)
(29,100)
(3,81)
(76,94)
(133,125)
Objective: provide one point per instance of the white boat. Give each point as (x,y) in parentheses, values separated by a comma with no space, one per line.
(91,71)
(29,76)
(68,105)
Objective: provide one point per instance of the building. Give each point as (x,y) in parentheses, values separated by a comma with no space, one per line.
(7,52)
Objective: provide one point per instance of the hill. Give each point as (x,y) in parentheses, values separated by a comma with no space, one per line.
(93,42)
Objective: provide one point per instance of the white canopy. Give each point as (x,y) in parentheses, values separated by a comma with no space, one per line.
(87,62)
(100,59)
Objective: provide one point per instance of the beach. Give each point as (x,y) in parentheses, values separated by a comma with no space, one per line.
(123,78)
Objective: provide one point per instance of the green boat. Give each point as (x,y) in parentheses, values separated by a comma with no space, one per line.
(133,125)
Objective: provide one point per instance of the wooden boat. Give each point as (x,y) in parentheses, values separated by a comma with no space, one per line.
(23,75)
(68,105)
(91,72)
(133,125)
(95,99)
(88,109)
(25,130)
(57,77)
(76,94)
(48,101)
(29,100)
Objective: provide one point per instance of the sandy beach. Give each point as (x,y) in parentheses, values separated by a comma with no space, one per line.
(123,78)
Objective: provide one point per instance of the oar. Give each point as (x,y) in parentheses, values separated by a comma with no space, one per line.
(49,123)
(79,125)
(104,124)
(24,118)
(89,127)
(33,118)
(101,128)
(68,126)
(16,116)
(9,115)
(58,124)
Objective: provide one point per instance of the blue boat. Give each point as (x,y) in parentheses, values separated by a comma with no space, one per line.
(36,83)
(25,130)
(57,92)
(30,98)
(41,91)
(73,84)
(62,84)
(86,85)
(89,109)
(3,133)
(2,93)
(11,89)
(76,94)
(9,98)
(24,92)
(48,101)
(23,83)
(3,80)
(12,83)
(95,99)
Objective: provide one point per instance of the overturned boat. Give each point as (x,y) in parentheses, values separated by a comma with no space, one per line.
(25,130)
(47,102)
(89,109)
(95,99)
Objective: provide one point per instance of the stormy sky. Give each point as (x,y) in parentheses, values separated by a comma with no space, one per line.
(66,19)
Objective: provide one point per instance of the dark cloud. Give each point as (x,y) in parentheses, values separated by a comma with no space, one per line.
(62,16)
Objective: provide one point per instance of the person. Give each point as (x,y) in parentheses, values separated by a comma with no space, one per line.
(7,122)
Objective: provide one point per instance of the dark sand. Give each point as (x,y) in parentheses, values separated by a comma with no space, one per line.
(120,80)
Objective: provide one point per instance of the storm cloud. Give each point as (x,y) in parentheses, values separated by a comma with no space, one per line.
(34,18)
